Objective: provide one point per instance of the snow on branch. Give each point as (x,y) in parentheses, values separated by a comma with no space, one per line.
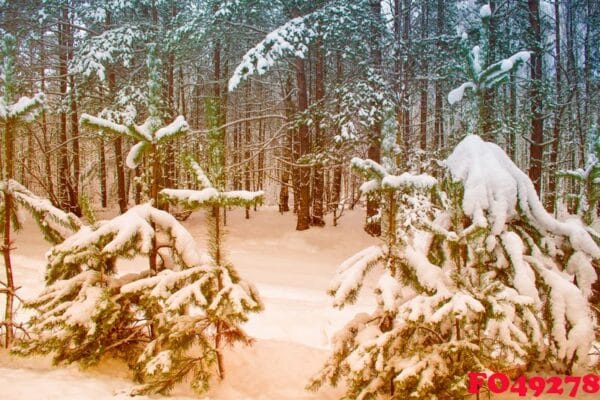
(26,107)
(177,128)
(573,327)
(194,199)
(199,174)
(457,94)
(292,38)
(496,188)
(148,134)
(106,125)
(350,274)
(380,179)
(126,235)
(108,48)
(53,222)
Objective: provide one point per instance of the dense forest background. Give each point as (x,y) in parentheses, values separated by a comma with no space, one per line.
(280,95)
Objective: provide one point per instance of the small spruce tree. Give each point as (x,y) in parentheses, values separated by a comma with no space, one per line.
(474,275)
(166,320)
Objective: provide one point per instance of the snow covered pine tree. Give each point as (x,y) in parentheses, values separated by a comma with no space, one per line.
(165,320)
(165,324)
(475,276)
(234,298)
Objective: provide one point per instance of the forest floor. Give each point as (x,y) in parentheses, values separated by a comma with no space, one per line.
(291,270)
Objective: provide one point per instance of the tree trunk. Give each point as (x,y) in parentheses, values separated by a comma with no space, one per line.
(63,154)
(424,83)
(102,174)
(247,143)
(118,141)
(288,148)
(537,122)
(44,125)
(487,119)
(407,76)
(303,193)
(9,148)
(318,182)
(552,179)
(439,95)
(337,171)
(374,150)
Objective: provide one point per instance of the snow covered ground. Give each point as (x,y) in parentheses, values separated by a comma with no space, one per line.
(292,271)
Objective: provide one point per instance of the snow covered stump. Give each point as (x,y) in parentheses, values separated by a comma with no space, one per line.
(474,275)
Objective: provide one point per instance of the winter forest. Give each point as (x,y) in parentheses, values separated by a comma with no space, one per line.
(294,199)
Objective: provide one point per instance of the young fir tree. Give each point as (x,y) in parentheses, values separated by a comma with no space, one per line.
(474,276)
(166,318)
(11,115)
(237,298)
(483,75)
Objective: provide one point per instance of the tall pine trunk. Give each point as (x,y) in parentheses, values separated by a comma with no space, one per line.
(303,193)
(372,226)
(537,122)
(318,181)
(552,179)
(424,100)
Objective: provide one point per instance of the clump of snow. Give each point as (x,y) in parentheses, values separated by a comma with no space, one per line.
(508,63)
(457,94)
(174,128)
(494,186)
(134,157)
(291,38)
(485,11)
(422,181)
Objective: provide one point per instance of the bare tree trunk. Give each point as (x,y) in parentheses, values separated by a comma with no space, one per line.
(424,83)
(171,111)
(318,183)
(44,126)
(247,143)
(63,155)
(573,80)
(407,76)
(337,171)
(303,193)
(374,150)
(486,113)
(102,174)
(288,149)
(9,149)
(439,95)
(552,190)
(537,122)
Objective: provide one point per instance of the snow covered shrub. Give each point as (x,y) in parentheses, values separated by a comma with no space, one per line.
(474,275)
(163,323)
